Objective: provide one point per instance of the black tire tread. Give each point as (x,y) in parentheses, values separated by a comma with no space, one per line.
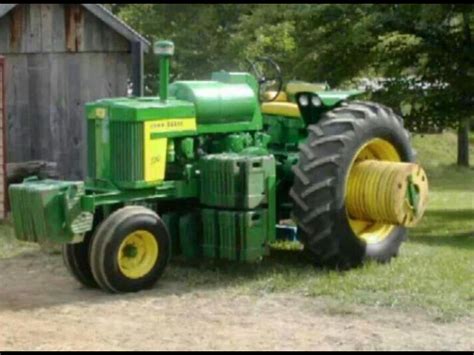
(101,237)
(316,181)
(77,263)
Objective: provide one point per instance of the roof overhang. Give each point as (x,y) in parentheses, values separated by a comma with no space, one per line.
(107,17)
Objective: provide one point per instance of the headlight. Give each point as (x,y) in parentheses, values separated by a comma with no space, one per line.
(316,101)
(303,100)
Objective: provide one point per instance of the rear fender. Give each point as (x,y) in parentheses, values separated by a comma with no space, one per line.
(312,104)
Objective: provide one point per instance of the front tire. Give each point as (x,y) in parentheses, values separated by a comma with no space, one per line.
(320,179)
(76,260)
(130,250)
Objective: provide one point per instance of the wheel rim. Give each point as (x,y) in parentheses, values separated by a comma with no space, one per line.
(375,149)
(137,254)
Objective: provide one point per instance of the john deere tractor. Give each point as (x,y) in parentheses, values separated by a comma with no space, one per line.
(208,169)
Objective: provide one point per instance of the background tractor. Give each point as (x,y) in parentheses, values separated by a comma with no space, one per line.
(207,169)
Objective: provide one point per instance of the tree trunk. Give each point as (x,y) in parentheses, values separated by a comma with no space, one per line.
(463,142)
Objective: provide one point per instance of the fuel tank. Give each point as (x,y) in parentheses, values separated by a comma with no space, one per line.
(216,101)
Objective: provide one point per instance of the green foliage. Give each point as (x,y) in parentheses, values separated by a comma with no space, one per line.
(269,30)
(200,33)
(425,52)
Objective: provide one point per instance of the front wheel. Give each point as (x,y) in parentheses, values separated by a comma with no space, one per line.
(129,250)
(76,259)
(344,136)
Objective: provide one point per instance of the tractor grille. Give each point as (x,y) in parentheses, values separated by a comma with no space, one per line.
(126,145)
(91,149)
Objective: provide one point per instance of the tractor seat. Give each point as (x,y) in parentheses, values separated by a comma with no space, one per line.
(282,96)
(280,106)
(283,105)
(294,87)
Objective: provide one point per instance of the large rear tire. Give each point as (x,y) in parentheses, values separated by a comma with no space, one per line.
(362,130)
(130,250)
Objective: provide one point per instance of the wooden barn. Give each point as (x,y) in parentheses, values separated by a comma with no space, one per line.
(58,57)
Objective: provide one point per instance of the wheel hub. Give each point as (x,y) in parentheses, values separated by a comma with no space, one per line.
(137,254)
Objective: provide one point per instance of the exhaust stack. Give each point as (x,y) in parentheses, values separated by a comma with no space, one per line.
(164,50)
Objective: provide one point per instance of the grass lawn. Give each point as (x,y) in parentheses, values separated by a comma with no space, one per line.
(434,272)
(435,269)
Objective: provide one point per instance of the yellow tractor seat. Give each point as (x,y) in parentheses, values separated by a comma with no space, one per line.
(293,87)
(282,97)
(279,108)
(282,106)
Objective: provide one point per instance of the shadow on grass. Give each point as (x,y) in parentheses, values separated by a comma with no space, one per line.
(463,240)
(454,227)
(449,177)
(452,215)
(279,261)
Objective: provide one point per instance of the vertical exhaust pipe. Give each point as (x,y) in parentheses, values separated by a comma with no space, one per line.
(164,50)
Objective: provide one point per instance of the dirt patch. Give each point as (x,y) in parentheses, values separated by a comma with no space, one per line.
(43,308)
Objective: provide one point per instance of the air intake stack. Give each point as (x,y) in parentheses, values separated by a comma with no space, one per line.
(164,50)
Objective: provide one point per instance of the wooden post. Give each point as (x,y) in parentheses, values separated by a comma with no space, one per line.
(137,68)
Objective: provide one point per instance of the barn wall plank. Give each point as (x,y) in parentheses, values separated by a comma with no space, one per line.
(59,28)
(39,87)
(5,34)
(32,31)
(46,27)
(18,24)
(57,104)
(18,130)
(72,131)
(123,74)
(39,68)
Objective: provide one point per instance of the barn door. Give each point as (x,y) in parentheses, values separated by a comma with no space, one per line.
(3,187)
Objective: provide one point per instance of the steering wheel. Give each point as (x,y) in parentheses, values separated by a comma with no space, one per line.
(268,76)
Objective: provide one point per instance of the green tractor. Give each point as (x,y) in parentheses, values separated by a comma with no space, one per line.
(208,169)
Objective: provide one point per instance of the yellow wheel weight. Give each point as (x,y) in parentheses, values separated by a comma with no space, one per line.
(368,191)
(393,193)
(137,254)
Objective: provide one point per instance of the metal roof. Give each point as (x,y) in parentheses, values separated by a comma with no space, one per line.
(106,16)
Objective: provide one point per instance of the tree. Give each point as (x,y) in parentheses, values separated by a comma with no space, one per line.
(200,33)
(425,52)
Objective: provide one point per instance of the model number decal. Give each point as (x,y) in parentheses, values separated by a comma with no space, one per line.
(172,125)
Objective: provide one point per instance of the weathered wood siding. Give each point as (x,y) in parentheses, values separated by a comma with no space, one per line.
(2,143)
(43,28)
(58,57)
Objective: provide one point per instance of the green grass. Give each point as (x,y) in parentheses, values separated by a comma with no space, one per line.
(434,272)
